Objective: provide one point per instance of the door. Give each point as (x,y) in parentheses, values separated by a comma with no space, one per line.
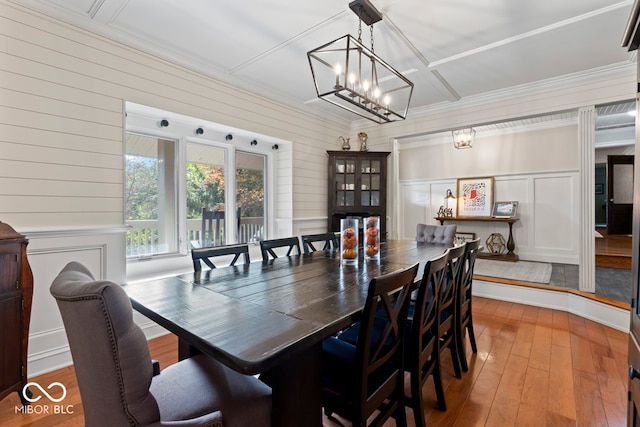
(620,194)
(250,197)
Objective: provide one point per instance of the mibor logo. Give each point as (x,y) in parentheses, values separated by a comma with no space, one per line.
(44,392)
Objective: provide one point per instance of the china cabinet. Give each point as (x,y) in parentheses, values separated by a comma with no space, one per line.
(16,292)
(357,187)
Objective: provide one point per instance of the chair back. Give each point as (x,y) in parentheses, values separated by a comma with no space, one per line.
(210,230)
(424,323)
(110,353)
(329,240)
(380,351)
(205,255)
(471,253)
(267,247)
(423,343)
(449,289)
(444,234)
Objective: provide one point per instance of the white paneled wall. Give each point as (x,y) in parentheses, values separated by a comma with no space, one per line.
(548,215)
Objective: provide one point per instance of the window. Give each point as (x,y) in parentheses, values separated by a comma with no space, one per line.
(214,177)
(150,195)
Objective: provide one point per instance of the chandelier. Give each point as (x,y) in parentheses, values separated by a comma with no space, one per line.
(350,75)
(463,138)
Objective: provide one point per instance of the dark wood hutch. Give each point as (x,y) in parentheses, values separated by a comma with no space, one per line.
(357,187)
(16,294)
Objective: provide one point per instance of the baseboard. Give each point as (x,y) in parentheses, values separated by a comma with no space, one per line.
(563,300)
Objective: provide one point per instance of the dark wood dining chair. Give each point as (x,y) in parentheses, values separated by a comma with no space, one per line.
(210,230)
(464,313)
(329,241)
(368,377)
(447,297)
(205,255)
(423,344)
(267,247)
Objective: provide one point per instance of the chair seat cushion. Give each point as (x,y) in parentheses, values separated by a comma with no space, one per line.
(199,385)
(339,362)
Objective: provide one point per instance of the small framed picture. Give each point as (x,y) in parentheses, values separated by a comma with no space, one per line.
(463,237)
(599,188)
(505,209)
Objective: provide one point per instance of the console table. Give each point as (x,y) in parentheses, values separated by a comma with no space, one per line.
(511,246)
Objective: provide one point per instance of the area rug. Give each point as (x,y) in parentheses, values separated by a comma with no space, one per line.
(525,271)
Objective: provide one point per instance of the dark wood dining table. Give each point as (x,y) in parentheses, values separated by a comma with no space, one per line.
(272,317)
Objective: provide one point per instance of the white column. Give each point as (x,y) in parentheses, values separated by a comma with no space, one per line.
(586,141)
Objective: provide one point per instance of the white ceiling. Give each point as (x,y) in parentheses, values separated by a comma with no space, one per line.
(450,49)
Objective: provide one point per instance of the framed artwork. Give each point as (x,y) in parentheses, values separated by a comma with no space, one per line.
(463,237)
(475,197)
(505,209)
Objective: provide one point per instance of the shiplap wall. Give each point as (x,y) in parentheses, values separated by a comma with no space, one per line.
(62,122)
(62,95)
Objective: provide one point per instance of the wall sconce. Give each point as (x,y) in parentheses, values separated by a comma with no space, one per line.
(254,142)
(164,123)
(463,138)
(199,131)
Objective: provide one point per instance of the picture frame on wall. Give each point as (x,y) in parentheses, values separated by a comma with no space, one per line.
(505,209)
(475,197)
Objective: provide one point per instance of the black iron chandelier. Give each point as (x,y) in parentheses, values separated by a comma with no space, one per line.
(351,76)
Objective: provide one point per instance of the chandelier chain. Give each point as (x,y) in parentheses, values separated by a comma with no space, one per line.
(371,28)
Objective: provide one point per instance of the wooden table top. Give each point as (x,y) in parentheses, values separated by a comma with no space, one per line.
(251,317)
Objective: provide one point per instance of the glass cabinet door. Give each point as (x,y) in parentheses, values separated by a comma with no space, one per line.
(370,182)
(345,182)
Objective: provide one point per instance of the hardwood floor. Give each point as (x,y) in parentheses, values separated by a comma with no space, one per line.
(613,251)
(534,367)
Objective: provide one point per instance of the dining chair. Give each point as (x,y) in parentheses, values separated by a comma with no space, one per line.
(267,247)
(436,233)
(368,377)
(422,343)
(447,297)
(329,240)
(210,233)
(116,378)
(464,312)
(205,255)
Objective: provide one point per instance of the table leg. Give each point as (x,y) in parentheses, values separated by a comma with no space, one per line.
(297,390)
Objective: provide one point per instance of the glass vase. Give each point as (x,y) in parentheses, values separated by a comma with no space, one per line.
(349,241)
(372,237)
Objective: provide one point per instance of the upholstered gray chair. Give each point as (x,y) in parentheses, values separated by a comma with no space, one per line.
(436,233)
(115,374)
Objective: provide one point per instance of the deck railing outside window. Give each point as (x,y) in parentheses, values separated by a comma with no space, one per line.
(142,238)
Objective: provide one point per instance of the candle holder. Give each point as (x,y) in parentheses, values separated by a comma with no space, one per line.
(349,241)
(372,238)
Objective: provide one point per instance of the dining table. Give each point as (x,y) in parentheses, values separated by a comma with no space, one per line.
(271,317)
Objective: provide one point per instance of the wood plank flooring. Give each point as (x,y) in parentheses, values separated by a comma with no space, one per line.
(534,367)
(613,251)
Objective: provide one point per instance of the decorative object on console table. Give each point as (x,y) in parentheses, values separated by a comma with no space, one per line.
(495,244)
(357,188)
(16,294)
(511,245)
(505,210)
(475,197)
